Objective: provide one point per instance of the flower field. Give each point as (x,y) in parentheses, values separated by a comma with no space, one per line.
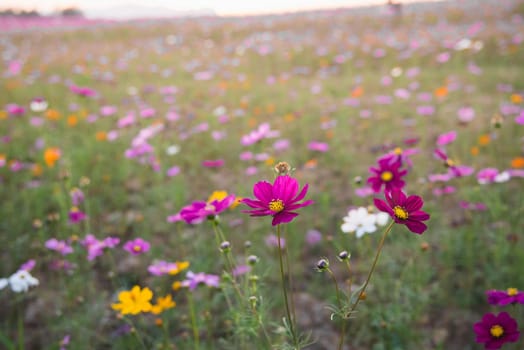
(344,179)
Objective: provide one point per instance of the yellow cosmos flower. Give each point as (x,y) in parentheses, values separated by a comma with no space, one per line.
(217,196)
(180,266)
(163,304)
(134,301)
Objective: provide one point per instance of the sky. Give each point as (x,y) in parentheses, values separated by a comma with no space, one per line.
(220,7)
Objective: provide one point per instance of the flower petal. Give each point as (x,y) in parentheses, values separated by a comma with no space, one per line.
(299,205)
(285,188)
(263,191)
(415,226)
(382,206)
(283,217)
(413,203)
(253,203)
(419,216)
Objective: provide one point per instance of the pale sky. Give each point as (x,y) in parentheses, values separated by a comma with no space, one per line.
(221,7)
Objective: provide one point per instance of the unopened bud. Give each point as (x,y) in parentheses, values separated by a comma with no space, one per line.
(343,256)
(225,246)
(322,265)
(252,260)
(282,168)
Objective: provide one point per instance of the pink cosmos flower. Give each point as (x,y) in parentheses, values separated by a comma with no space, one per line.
(194,279)
(28,265)
(162,267)
(82,91)
(318,146)
(62,247)
(217,163)
(446,138)
(263,131)
(505,297)
(466,114)
(495,331)
(388,174)
(272,241)
(14,109)
(137,246)
(198,211)
(96,247)
(404,210)
(277,200)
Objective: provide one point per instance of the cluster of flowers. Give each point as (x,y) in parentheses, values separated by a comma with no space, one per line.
(496,330)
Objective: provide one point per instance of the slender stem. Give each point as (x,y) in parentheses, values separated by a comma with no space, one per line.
(379,250)
(283,279)
(20,328)
(196,335)
(343,330)
(290,284)
(136,332)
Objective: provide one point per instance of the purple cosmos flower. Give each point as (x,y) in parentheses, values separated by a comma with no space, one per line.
(313,237)
(272,241)
(194,279)
(96,247)
(162,267)
(505,297)
(278,200)
(404,210)
(387,174)
(77,196)
(198,211)
(60,246)
(495,331)
(473,206)
(137,246)
(76,215)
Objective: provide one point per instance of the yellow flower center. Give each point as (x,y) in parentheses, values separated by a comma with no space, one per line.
(512,291)
(137,248)
(386,176)
(400,212)
(496,331)
(450,163)
(276,205)
(397,151)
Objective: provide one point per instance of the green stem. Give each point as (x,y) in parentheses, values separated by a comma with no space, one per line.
(196,335)
(283,280)
(20,329)
(377,255)
(339,302)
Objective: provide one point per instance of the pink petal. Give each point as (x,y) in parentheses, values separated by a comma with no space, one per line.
(283,217)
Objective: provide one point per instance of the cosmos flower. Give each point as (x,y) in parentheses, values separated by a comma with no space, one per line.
(198,211)
(19,282)
(361,221)
(76,215)
(505,297)
(194,279)
(162,304)
(495,331)
(62,247)
(404,210)
(96,247)
(137,246)
(134,301)
(388,174)
(277,200)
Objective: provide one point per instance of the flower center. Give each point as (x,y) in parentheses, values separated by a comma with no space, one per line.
(397,151)
(496,331)
(400,212)
(512,291)
(450,163)
(276,205)
(137,248)
(386,176)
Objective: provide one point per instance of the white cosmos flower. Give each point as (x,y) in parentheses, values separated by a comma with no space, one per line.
(502,177)
(21,280)
(361,221)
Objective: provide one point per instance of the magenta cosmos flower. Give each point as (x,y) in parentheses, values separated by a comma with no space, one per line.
(137,246)
(278,200)
(198,211)
(388,174)
(495,331)
(505,297)
(404,210)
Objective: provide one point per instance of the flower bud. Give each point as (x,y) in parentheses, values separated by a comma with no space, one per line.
(343,255)
(252,260)
(282,168)
(322,265)
(225,247)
